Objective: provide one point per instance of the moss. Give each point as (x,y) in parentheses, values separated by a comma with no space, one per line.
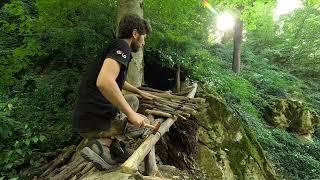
(293,115)
(208,164)
(228,133)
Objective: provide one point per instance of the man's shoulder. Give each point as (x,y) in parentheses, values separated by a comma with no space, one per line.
(119,43)
(119,50)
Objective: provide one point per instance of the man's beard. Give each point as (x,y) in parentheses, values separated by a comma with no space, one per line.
(135,46)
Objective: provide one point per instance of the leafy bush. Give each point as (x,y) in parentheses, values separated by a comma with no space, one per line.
(17,142)
(46,104)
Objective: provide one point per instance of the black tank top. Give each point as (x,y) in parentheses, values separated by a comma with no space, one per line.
(93,111)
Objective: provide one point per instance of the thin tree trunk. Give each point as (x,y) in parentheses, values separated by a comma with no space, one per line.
(178,79)
(237,41)
(135,71)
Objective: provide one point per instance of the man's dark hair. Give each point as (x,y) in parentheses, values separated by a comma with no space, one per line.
(130,22)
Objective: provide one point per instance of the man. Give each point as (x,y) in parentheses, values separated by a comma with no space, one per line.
(96,115)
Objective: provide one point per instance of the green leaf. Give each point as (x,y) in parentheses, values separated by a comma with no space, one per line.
(27,142)
(35,139)
(42,138)
(19,151)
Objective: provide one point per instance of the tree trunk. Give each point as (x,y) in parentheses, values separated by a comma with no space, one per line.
(237,41)
(135,71)
(178,78)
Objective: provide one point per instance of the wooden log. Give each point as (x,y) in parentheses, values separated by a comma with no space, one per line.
(70,170)
(170,96)
(132,163)
(75,171)
(60,160)
(151,89)
(175,105)
(176,108)
(151,163)
(147,106)
(166,109)
(158,113)
(194,90)
(163,106)
(172,111)
(53,173)
(86,169)
(169,103)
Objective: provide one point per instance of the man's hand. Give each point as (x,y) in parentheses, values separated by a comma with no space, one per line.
(136,119)
(146,95)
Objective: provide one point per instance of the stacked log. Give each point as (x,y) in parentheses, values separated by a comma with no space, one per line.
(163,104)
(165,107)
(166,104)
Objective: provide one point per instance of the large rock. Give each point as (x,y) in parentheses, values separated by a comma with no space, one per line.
(227,148)
(292,115)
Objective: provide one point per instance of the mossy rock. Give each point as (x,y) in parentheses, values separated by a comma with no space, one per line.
(227,148)
(292,115)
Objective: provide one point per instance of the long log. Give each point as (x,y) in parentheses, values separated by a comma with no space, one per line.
(151,89)
(194,90)
(172,111)
(184,106)
(132,163)
(158,113)
(166,109)
(150,163)
(170,96)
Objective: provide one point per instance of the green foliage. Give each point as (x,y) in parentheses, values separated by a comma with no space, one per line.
(17,141)
(18,41)
(296,158)
(50,100)
(45,45)
(73,32)
(178,33)
(301,41)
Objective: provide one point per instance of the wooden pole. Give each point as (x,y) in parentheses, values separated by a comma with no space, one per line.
(151,163)
(132,163)
(194,90)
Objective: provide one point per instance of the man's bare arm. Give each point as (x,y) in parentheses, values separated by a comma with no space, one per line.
(128,87)
(106,83)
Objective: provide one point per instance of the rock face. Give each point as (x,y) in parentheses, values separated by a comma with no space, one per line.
(227,148)
(292,115)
